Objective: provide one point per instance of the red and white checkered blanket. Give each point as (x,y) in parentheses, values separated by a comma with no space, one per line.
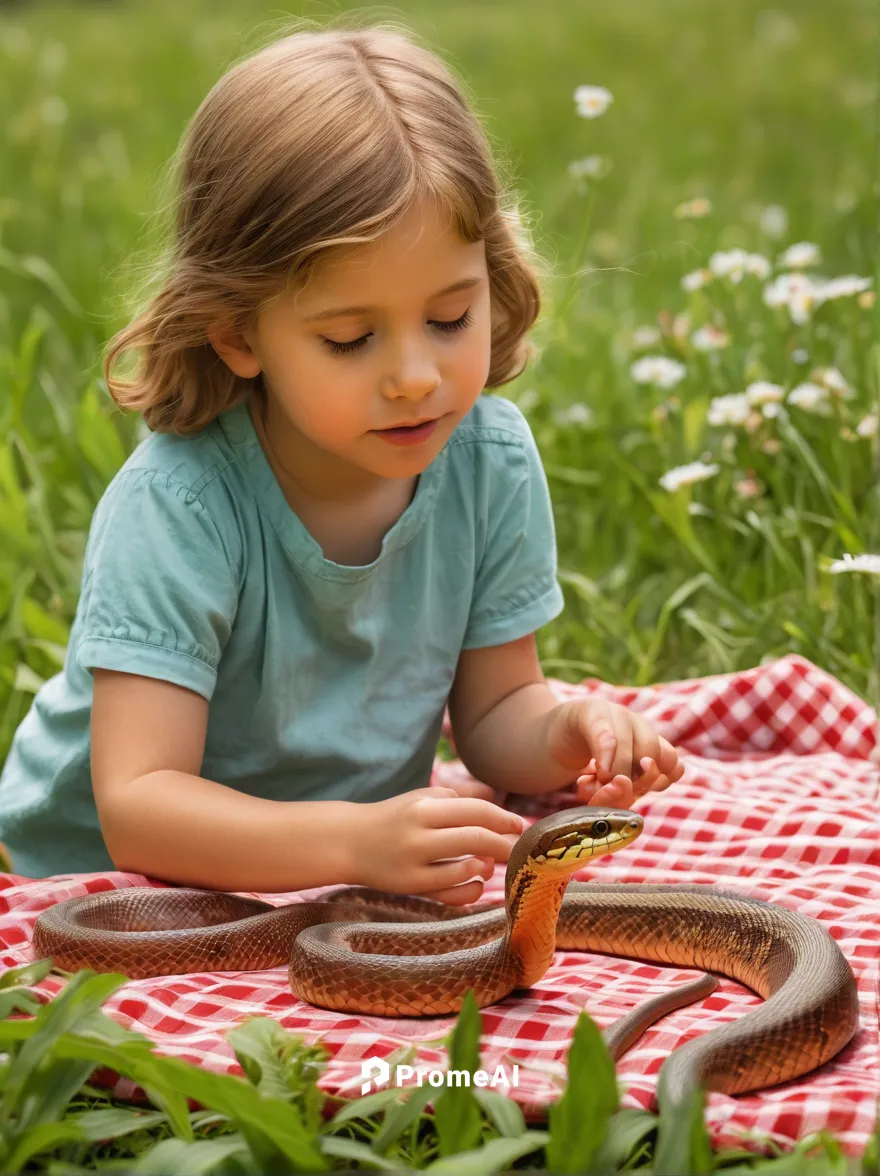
(779,800)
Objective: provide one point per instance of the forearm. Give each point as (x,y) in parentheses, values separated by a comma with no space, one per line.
(507,748)
(195,832)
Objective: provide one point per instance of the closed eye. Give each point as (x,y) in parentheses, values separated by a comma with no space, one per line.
(458,324)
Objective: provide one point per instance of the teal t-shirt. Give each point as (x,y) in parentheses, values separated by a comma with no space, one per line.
(325,681)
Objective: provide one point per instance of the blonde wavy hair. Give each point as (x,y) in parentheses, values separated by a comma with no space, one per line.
(321,139)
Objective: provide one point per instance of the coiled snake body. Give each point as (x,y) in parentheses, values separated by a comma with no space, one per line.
(344,953)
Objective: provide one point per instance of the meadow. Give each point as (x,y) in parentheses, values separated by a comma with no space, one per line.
(706,392)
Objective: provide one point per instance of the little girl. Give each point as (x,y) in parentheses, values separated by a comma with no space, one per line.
(330,532)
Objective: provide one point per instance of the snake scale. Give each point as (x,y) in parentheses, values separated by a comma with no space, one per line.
(369,951)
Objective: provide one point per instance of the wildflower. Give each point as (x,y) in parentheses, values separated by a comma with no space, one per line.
(771,446)
(693,208)
(832,379)
(596,167)
(736,263)
(657,369)
(800,355)
(760,392)
(527,400)
(811,398)
(748,487)
(753,422)
(772,410)
(686,475)
(645,336)
(867,300)
(797,291)
(696,279)
(845,285)
(846,433)
(592,101)
(709,338)
(868,426)
(799,256)
(728,410)
(774,220)
(858,563)
(574,414)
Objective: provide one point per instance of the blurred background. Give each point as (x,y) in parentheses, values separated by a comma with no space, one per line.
(705,396)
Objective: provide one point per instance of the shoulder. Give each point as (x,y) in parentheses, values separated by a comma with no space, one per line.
(494,442)
(170,477)
(493,421)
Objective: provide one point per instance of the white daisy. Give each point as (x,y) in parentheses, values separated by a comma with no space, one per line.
(774,220)
(760,392)
(696,279)
(802,254)
(857,563)
(592,101)
(832,379)
(845,285)
(732,409)
(646,336)
(686,475)
(709,338)
(811,398)
(868,426)
(657,369)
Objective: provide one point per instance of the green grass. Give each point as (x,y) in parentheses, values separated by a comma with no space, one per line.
(741,103)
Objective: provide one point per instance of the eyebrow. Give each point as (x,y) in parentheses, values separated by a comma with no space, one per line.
(338,312)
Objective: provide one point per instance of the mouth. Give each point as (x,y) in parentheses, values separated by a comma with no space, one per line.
(408,434)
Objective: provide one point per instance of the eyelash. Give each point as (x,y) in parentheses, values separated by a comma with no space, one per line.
(355,344)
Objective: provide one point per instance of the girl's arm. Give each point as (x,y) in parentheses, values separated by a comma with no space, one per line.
(161,818)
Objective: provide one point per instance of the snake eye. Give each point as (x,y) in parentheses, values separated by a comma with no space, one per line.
(601,828)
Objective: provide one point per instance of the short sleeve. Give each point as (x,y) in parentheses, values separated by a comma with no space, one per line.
(160,587)
(516,589)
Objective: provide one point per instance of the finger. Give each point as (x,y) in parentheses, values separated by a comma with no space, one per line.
(647,779)
(668,757)
(443,875)
(471,810)
(595,726)
(645,742)
(469,840)
(622,763)
(618,793)
(480,790)
(457,895)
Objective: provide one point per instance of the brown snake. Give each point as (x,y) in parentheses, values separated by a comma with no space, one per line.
(341,957)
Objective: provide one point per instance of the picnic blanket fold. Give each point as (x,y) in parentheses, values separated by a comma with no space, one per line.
(779,799)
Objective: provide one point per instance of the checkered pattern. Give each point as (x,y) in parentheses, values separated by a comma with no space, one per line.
(779,799)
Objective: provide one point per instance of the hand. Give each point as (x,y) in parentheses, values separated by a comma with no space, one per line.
(404,844)
(618,754)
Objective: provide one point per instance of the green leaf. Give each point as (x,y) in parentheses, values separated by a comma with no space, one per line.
(39,1138)
(683,1147)
(50,1088)
(341,1148)
(401,1116)
(112,1122)
(24,974)
(456,1111)
(626,1130)
(579,1119)
(175,1157)
(83,994)
(505,1114)
(495,1156)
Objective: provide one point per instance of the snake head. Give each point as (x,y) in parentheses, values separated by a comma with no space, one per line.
(568,839)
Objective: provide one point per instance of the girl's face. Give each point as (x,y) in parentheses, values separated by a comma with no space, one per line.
(414,351)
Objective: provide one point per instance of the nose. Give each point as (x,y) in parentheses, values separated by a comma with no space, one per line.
(414,373)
